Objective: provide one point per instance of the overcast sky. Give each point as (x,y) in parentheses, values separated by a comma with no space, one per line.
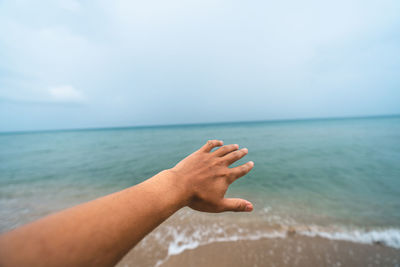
(77,64)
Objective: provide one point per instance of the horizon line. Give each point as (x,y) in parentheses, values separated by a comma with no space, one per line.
(105,128)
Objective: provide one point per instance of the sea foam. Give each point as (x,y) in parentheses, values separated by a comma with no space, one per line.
(181,240)
(388,237)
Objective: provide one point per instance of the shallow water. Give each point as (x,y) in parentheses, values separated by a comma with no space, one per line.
(326,176)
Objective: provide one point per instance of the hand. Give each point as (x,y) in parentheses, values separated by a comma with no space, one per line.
(206,176)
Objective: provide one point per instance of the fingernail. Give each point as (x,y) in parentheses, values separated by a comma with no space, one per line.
(249,207)
(251,163)
(245,150)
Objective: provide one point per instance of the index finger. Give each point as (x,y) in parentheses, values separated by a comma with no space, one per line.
(210,145)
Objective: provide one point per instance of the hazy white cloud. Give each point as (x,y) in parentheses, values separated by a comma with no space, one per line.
(66,93)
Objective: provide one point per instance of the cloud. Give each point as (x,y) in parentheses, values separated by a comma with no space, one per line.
(66,93)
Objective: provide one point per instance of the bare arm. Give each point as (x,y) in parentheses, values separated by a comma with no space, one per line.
(102,231)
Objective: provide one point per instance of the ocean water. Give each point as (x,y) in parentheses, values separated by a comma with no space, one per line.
(335,178)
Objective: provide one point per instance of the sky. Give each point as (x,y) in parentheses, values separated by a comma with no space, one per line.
(83,64)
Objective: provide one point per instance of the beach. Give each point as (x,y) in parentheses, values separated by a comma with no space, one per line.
(291,251)
(325,192)
(229,242)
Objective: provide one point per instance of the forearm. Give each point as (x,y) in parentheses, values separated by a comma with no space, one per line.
(100,231)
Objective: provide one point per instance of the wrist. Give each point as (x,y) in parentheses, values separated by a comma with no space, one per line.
(175,185)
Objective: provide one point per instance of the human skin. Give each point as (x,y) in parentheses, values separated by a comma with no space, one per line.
(102,231)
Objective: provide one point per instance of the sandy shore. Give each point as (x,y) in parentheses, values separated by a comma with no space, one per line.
(290,251)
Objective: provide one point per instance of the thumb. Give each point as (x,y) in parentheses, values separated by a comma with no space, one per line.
(236,204)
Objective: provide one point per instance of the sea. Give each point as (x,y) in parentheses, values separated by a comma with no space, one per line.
(337,179)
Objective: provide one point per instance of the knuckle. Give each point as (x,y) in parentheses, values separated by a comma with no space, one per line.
(238,154)
(226,149)
(223,173)
(219,162)
(210,164)
(243,170)
(240,206)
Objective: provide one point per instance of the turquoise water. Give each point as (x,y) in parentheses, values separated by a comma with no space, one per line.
(342,172)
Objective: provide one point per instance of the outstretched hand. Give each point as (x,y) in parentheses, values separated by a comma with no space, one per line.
(74,237)
(205,176)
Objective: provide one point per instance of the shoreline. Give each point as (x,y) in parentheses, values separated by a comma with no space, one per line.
(191,239)
(290,251)
(287,248)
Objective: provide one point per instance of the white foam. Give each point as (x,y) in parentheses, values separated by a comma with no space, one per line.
(266,209)
(179,239)
(182,241)
(388,237)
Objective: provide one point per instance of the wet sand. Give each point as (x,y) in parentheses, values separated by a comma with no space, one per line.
(198,240)
(290,251)
(293,250)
